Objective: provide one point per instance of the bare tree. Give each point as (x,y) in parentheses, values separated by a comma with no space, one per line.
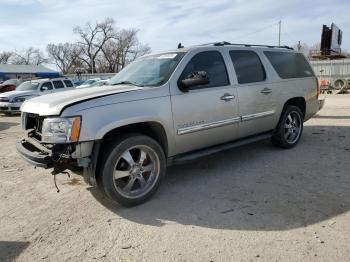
(117,53)
(108,61)
(64,55)
(93,38)
(101,47)
(29,56)
(138,51)
(5,57)
(129,46)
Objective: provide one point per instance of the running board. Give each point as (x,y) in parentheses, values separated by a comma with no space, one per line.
(186,157)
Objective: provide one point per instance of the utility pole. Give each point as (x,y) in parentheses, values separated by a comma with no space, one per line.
(279,32)
(299,46)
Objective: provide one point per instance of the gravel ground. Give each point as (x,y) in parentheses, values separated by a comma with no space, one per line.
(253,203)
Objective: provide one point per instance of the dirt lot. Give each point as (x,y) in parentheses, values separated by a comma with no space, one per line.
(254,203)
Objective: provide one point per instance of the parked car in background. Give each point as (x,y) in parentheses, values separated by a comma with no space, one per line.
(9,85)
(78,82)
(100,83)
(88,83)
(10,102)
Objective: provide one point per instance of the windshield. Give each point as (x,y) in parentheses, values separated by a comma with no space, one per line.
(10,82)
(26,86)
(153,70)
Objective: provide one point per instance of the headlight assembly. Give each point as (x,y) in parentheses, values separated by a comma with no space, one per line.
(19,99)
(61,130)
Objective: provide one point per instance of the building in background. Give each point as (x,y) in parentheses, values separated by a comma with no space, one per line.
(8,71)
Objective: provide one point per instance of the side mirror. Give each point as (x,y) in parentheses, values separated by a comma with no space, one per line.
(194,79)
(44,88)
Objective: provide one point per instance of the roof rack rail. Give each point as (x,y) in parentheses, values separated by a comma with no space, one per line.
(223,43)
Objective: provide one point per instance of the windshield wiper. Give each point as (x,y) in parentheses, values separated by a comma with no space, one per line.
(126,83)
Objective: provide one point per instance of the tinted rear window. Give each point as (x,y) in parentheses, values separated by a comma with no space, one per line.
(289,64)
(248,66)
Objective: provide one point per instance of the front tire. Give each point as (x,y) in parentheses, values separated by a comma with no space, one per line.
(132,169)
(289,128)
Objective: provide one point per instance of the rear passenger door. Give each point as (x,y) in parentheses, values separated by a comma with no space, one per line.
(257,97)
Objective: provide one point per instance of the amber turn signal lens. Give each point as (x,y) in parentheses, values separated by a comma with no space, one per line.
(74,135)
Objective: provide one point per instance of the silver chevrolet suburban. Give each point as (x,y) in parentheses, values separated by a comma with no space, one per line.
(169,108)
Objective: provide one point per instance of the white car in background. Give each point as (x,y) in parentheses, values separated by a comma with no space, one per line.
(10,102)
(89,83)
(103,82)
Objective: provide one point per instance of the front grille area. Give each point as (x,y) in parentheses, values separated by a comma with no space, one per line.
(34,123)
(4,99)
(3,108)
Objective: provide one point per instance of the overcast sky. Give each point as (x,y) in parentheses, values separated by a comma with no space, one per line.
(163,24)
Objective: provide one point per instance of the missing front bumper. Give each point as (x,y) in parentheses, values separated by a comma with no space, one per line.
(62,157)
(34,155)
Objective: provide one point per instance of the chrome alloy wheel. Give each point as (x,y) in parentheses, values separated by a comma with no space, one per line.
(292,127)
(136,171)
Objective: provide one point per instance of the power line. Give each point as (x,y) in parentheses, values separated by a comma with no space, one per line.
(258,30)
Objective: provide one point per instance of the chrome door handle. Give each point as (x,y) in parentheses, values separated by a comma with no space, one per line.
(266,91)
(227,97)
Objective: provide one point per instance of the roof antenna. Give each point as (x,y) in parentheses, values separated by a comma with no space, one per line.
(180,46)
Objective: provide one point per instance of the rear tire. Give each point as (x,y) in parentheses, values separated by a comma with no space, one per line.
(132,169)
(289,129)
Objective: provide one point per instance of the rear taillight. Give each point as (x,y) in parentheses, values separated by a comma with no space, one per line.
(318,87)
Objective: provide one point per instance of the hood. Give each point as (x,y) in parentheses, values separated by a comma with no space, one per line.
(53,104)
(12,94)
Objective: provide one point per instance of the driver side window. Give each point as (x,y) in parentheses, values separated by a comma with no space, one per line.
(46,86)
(213,64)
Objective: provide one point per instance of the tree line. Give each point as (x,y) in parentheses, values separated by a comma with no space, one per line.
(101,48)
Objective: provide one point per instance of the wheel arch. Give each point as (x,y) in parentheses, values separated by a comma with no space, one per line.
(296,101)
(152,129)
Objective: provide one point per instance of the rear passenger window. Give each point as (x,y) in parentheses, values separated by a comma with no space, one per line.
(210,62)
(58,84)
(68,83)
(46,86)
(248,66)
(289,64)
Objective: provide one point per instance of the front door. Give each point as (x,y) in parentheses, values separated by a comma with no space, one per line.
(205,115)
(46,88)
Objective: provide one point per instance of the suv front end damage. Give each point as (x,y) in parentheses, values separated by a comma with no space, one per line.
(52,142)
